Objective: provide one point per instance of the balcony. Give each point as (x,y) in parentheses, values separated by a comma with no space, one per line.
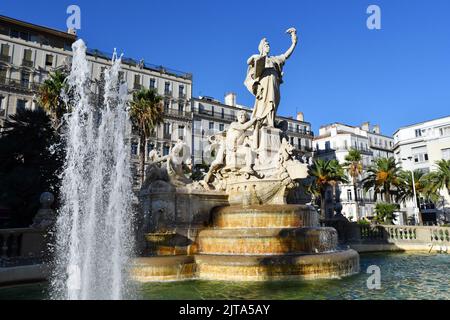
(177,113)
(216,115)
(168,93)
(167,136)
(182,96)
(5,58)
(137,86)
(301,131)
(27,63)
(19,84)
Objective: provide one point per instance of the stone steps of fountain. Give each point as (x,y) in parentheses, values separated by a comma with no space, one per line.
(261,268)
(267,216)
(267,241)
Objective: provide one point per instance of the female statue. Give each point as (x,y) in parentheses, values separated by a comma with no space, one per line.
(264,76)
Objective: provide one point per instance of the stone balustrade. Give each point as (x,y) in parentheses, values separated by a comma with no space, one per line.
(390,237)
(21,246)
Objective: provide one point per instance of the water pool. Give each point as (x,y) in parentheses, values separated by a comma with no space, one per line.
(403,276)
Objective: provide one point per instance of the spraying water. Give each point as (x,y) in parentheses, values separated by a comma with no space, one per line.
(94,228)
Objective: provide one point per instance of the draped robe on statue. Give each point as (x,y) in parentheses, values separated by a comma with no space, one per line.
(266,88)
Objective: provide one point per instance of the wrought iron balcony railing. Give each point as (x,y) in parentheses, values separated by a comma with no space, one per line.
(27,63)
(5,58)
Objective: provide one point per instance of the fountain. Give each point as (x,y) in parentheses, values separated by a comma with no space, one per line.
(236,223)
(94,226)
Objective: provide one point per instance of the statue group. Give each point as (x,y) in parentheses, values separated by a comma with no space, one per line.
(254,161)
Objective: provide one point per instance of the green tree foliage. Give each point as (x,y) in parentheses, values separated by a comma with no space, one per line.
(385,212)
(325,175)
(31,157)
(146,113)
(384,177)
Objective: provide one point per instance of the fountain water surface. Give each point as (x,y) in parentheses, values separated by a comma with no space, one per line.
(94,227)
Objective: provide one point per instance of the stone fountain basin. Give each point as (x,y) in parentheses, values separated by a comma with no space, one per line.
(247,268)
(267,241)
(262,268)
(268,216)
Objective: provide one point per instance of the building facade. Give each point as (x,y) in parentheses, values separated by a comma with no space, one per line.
(211,116)
(418,147)
(334,142)
(28,54)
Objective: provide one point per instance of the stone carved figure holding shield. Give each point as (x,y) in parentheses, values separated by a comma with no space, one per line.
(264,77)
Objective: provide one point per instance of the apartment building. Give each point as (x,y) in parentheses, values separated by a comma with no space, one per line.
(418,147)
(334,142)
(211,116)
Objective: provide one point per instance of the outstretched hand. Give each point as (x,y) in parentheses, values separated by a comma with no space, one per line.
(293,33)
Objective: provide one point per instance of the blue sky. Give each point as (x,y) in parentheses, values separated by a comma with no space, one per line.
(340,72)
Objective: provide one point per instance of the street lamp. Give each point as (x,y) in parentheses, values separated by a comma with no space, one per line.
(416,209)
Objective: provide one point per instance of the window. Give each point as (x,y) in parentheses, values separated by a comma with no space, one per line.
(49,60)
(1,102)
(25,79)
(5,50)
(223,113)
(418,133)
(153,83)
(212,111)
(444,131)
(137,81)
(211,126)
(181,132)
(21,104)
(446,154)
(166,130)
(221,127)
(167,88)
(166,105)
(349,195)
(299,141)
(166,150)
(14,34)
(421,157)
(181,91)
(27,55)
(180,107)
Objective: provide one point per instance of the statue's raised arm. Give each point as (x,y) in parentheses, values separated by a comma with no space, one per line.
(294,38)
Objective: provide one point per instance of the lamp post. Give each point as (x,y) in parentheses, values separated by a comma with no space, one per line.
(416,209)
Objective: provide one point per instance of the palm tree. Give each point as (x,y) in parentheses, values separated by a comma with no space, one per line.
(354,168)
(146,112)
(325,174)
(50,96)
(440,179)
(385,212)
(405,190)
(383,177)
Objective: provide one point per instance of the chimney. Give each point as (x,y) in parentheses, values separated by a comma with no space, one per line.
(376,129)
(300,116)
(230,99)
(365,126)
